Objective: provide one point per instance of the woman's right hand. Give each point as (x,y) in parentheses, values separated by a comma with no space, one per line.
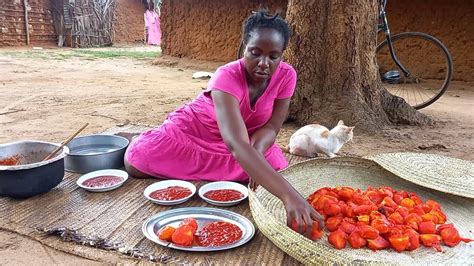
(300,214)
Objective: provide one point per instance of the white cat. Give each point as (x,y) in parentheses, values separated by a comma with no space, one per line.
(312,139)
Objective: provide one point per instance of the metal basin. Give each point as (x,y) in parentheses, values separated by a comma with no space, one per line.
(96,152)
(30,176)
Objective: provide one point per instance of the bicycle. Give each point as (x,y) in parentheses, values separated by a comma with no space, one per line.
(419,84)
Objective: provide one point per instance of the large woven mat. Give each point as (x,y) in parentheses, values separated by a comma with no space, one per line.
(438,172)
(117,217)
(306,177)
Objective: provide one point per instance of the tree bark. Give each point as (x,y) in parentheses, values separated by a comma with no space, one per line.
(333,50)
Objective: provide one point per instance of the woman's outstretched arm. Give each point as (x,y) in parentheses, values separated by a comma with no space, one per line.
(235,136)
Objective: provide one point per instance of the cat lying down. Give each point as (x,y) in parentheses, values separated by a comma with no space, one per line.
(312,139)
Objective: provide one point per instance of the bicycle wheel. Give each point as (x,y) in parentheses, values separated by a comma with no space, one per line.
(240,53)
(428,61)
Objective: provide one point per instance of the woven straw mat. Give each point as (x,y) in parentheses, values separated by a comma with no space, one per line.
(308,176)
(117,217)
(438,172)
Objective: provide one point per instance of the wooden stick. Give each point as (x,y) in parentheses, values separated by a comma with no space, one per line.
(25,5)
(64,143)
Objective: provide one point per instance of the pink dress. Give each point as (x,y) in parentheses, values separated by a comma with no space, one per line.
(152,22)
(189,146)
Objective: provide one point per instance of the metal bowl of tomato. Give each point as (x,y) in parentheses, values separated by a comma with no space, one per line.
(169,192)
(223,193)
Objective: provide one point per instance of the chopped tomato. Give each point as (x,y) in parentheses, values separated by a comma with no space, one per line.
(365,219)
(430,217)
(396,218)
(413,220)
(356,241)
(332,209)
(337,239)
(367,231)
(332,223)
(397,198)
(378,244)
(316,232)
(166,232)
(387,201)
(440,215)
(381,225)
(183,235)
(399,242)
(431,240)
(427,227)
(375,196)
(407,203)
(433,204)
(449,235)
(418,210)
(364,209)
(414,239)
(347,227)
(346,193)
(191,222)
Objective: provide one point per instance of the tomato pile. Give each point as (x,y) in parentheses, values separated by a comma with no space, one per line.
(381,219)
(211,235)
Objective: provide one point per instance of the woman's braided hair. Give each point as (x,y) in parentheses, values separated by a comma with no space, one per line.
(262,19)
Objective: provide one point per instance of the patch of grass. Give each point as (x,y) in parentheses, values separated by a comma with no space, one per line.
(87,54)
(116,54)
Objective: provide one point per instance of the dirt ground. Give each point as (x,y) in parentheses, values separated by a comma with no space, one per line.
(48,94)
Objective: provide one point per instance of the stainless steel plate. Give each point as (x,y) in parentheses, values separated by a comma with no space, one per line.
(203,216)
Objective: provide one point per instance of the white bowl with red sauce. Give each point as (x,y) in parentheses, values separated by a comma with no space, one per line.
(223,193)
(102,180)
(170,192)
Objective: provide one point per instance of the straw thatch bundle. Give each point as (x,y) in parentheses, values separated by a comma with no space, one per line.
(91,21)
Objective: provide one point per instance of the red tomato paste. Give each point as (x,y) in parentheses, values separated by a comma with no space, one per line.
(14,160)
(224,195)
(102,181)
(171,193)
(218,234)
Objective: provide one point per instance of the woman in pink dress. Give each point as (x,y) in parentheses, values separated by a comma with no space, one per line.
(228,132)
(152,25)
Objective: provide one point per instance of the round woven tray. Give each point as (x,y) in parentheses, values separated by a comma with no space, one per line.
(438,172)
(269,214)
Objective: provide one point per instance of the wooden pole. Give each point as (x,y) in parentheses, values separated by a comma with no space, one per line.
(25,5)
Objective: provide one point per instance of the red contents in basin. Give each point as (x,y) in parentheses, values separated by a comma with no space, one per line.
(219,234)
(171,193)
(223,195)
(102,181)
(14,160)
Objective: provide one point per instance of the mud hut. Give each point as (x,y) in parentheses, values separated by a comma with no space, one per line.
(77,23)
(13,30)
(210,30)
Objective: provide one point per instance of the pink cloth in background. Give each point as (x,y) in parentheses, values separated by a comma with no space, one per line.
(189,146)
(152,22)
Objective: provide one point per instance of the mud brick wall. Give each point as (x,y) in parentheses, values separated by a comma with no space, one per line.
(450,21)
(12,23)
(210,30)
(129,24)
(206,29)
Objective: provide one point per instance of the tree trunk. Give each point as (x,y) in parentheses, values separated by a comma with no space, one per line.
(333,51)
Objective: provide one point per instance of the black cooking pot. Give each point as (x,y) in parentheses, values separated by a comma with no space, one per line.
(30,175)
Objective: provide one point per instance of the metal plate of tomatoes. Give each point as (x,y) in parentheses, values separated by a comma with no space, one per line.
(203,216)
